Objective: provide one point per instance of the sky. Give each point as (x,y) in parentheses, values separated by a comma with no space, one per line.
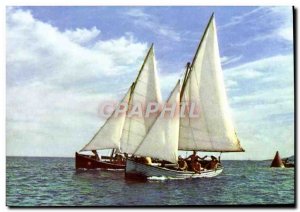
(62,62)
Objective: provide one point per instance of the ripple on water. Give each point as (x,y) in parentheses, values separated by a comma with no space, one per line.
(54,182)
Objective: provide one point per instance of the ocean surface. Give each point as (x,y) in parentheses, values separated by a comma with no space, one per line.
(55,182)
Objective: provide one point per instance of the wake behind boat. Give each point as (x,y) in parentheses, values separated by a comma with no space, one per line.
(212,131)
(143,171)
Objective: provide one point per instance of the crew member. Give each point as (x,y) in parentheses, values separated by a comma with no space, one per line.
(96,156)
(195,165)
(182,165)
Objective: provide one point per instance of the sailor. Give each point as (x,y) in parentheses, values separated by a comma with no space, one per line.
(182,165)
(195,157)
(148,160)
(126,155)
(195,165)
(96,155)
(213,164)
(119,159)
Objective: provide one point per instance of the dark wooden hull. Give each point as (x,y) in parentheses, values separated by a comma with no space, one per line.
(88,162)
(288,165)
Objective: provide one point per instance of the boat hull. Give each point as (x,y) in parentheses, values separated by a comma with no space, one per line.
(135,170)
(86,162)
(288,165)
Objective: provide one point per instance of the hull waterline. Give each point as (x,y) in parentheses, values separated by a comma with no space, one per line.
(86,162)
(139,171)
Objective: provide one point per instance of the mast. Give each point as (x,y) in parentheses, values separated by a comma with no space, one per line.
(190,65)
(202,38)
(185,78)
(142,67)
(112,154)
(145,90)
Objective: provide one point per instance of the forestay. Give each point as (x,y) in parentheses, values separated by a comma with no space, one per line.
(162,139)
(213,129)
(146,89)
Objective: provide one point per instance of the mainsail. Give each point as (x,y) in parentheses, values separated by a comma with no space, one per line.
(108,136)
(213,129)
(126,129)
(145,90)
(162,139)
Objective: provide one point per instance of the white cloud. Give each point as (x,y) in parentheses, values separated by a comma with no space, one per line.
(38,50)
(54,83)
(240,19)
(263,105)
(136,12)
(244,74)
(82,35)
(142,19)
(277,22)
(272,70)
(286,33)
(231,84)
(168,81)
(228,60)
(284,15)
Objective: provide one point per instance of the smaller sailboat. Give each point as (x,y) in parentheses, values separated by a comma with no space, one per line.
(107,137)
(281,163)
(287,163)
(212,131)
(120,132)
(277,162)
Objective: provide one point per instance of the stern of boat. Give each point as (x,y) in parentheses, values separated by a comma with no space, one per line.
(133,172)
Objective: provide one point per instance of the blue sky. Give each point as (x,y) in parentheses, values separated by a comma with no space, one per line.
(63,61)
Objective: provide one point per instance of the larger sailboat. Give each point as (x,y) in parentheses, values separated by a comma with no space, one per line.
(211,131)
(121,133)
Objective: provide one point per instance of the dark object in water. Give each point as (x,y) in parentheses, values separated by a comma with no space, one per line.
(277,162)
(287,163)
(90,162)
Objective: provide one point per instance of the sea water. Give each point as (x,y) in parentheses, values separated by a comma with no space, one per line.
(55,182)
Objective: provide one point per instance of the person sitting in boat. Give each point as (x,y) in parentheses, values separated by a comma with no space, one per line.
(285,160)
(148,160)
(194,157)
(194,162)
(213,164)
(196,167)
(119,159)
(182,165)
(96,156)
(144,160)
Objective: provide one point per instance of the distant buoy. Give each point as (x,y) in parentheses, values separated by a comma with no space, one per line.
(277,162)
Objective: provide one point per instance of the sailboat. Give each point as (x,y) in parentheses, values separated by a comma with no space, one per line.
(277,162)
(123,133)
(211,131)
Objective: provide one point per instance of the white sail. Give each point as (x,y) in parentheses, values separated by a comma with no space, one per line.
(213,130)
(162,139)
(108,136)
(145,90)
